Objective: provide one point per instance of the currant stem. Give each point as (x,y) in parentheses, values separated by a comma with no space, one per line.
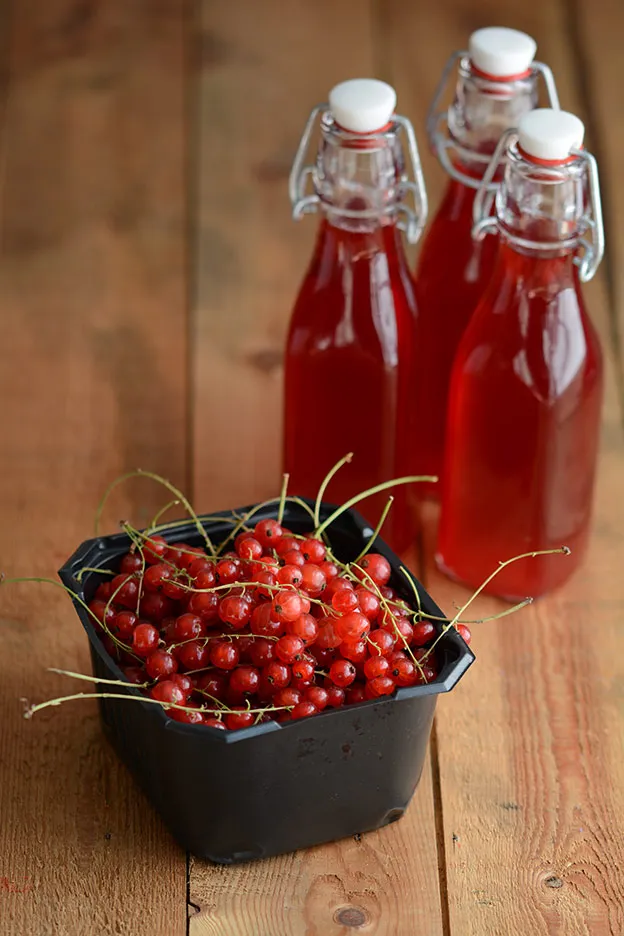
(163,510)
(377,489)
(282,502)
(321,491)
(563,550)
(377,529)
(31,709)
(98,679)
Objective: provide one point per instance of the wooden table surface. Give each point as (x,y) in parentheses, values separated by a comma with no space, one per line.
(148,265)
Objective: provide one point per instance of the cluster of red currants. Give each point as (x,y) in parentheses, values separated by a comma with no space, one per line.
(276,628)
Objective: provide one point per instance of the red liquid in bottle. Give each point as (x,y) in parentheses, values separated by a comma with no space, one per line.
(523,426)
(453,273)
(348,353)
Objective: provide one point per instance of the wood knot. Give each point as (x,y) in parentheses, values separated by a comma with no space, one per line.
(553,881)
(351,916)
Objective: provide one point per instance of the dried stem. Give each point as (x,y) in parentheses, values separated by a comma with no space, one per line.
(321,491)
(377,489)
(372,539)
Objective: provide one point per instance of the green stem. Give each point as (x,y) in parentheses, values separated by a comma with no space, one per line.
(321,491)
(31,709)
(163,510)
(374,490)
(98,679)
(372,539)
(282,502)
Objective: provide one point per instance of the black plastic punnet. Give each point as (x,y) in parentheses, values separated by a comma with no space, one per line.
(239,795)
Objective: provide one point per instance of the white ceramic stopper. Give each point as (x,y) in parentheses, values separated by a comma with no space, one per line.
(550,134)
(500,52)
(362,105)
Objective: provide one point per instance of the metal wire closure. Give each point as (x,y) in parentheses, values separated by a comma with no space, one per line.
(413,218)
(484,222)
(437,123)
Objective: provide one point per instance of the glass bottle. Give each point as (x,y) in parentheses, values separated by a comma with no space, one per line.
(497,82)
(526,386)
(351,336)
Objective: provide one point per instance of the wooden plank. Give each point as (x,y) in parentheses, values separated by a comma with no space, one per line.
(92,383)
(531,756)
(261,74)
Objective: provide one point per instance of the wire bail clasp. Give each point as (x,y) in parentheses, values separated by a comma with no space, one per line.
(303,201)
(440,138)
(485,221)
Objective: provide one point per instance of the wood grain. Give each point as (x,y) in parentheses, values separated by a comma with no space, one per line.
(261,74)
(531,757)
(92,383)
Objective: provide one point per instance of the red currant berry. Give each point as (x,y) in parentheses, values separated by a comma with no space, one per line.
(168,691)
(202,564)
(262,651)
(353,626)
(249,548)
(290,575)
(314,582)
(335,696)
(288,544)
(189,626)
(317,696)
(355,651)
(227,571)
(293,557)
(154,549)
(381,642)
(423,632)
(104,592)
(328,637)
(330,569)
(342,673)
(188,554)
(368,602)
(239,718)
(304,710)
(277,674)
(264,577)
(263,623)
(205,605)
(380,686)
(313,549)
(335,585)
(376,666)
(155,606)
(186,718)
(123,624)
(145,639)
(183,682)
(268,533)
(235,612)
(388,593)
(174,553)
(213,722)
(131,562)
(302,672)
(403,672)
(193,655)
(287,606)
(213,685)
(287,696)
(135,674)
(156,576)
(464,632)
(305,627)
(224,655)
(355,694)
(376,566)
(160,665)
(125,590)
(344,600)
(289,648)
(244,680)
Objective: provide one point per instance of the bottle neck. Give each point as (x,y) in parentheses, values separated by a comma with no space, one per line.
(482,110)
(542,211)
(359,181)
